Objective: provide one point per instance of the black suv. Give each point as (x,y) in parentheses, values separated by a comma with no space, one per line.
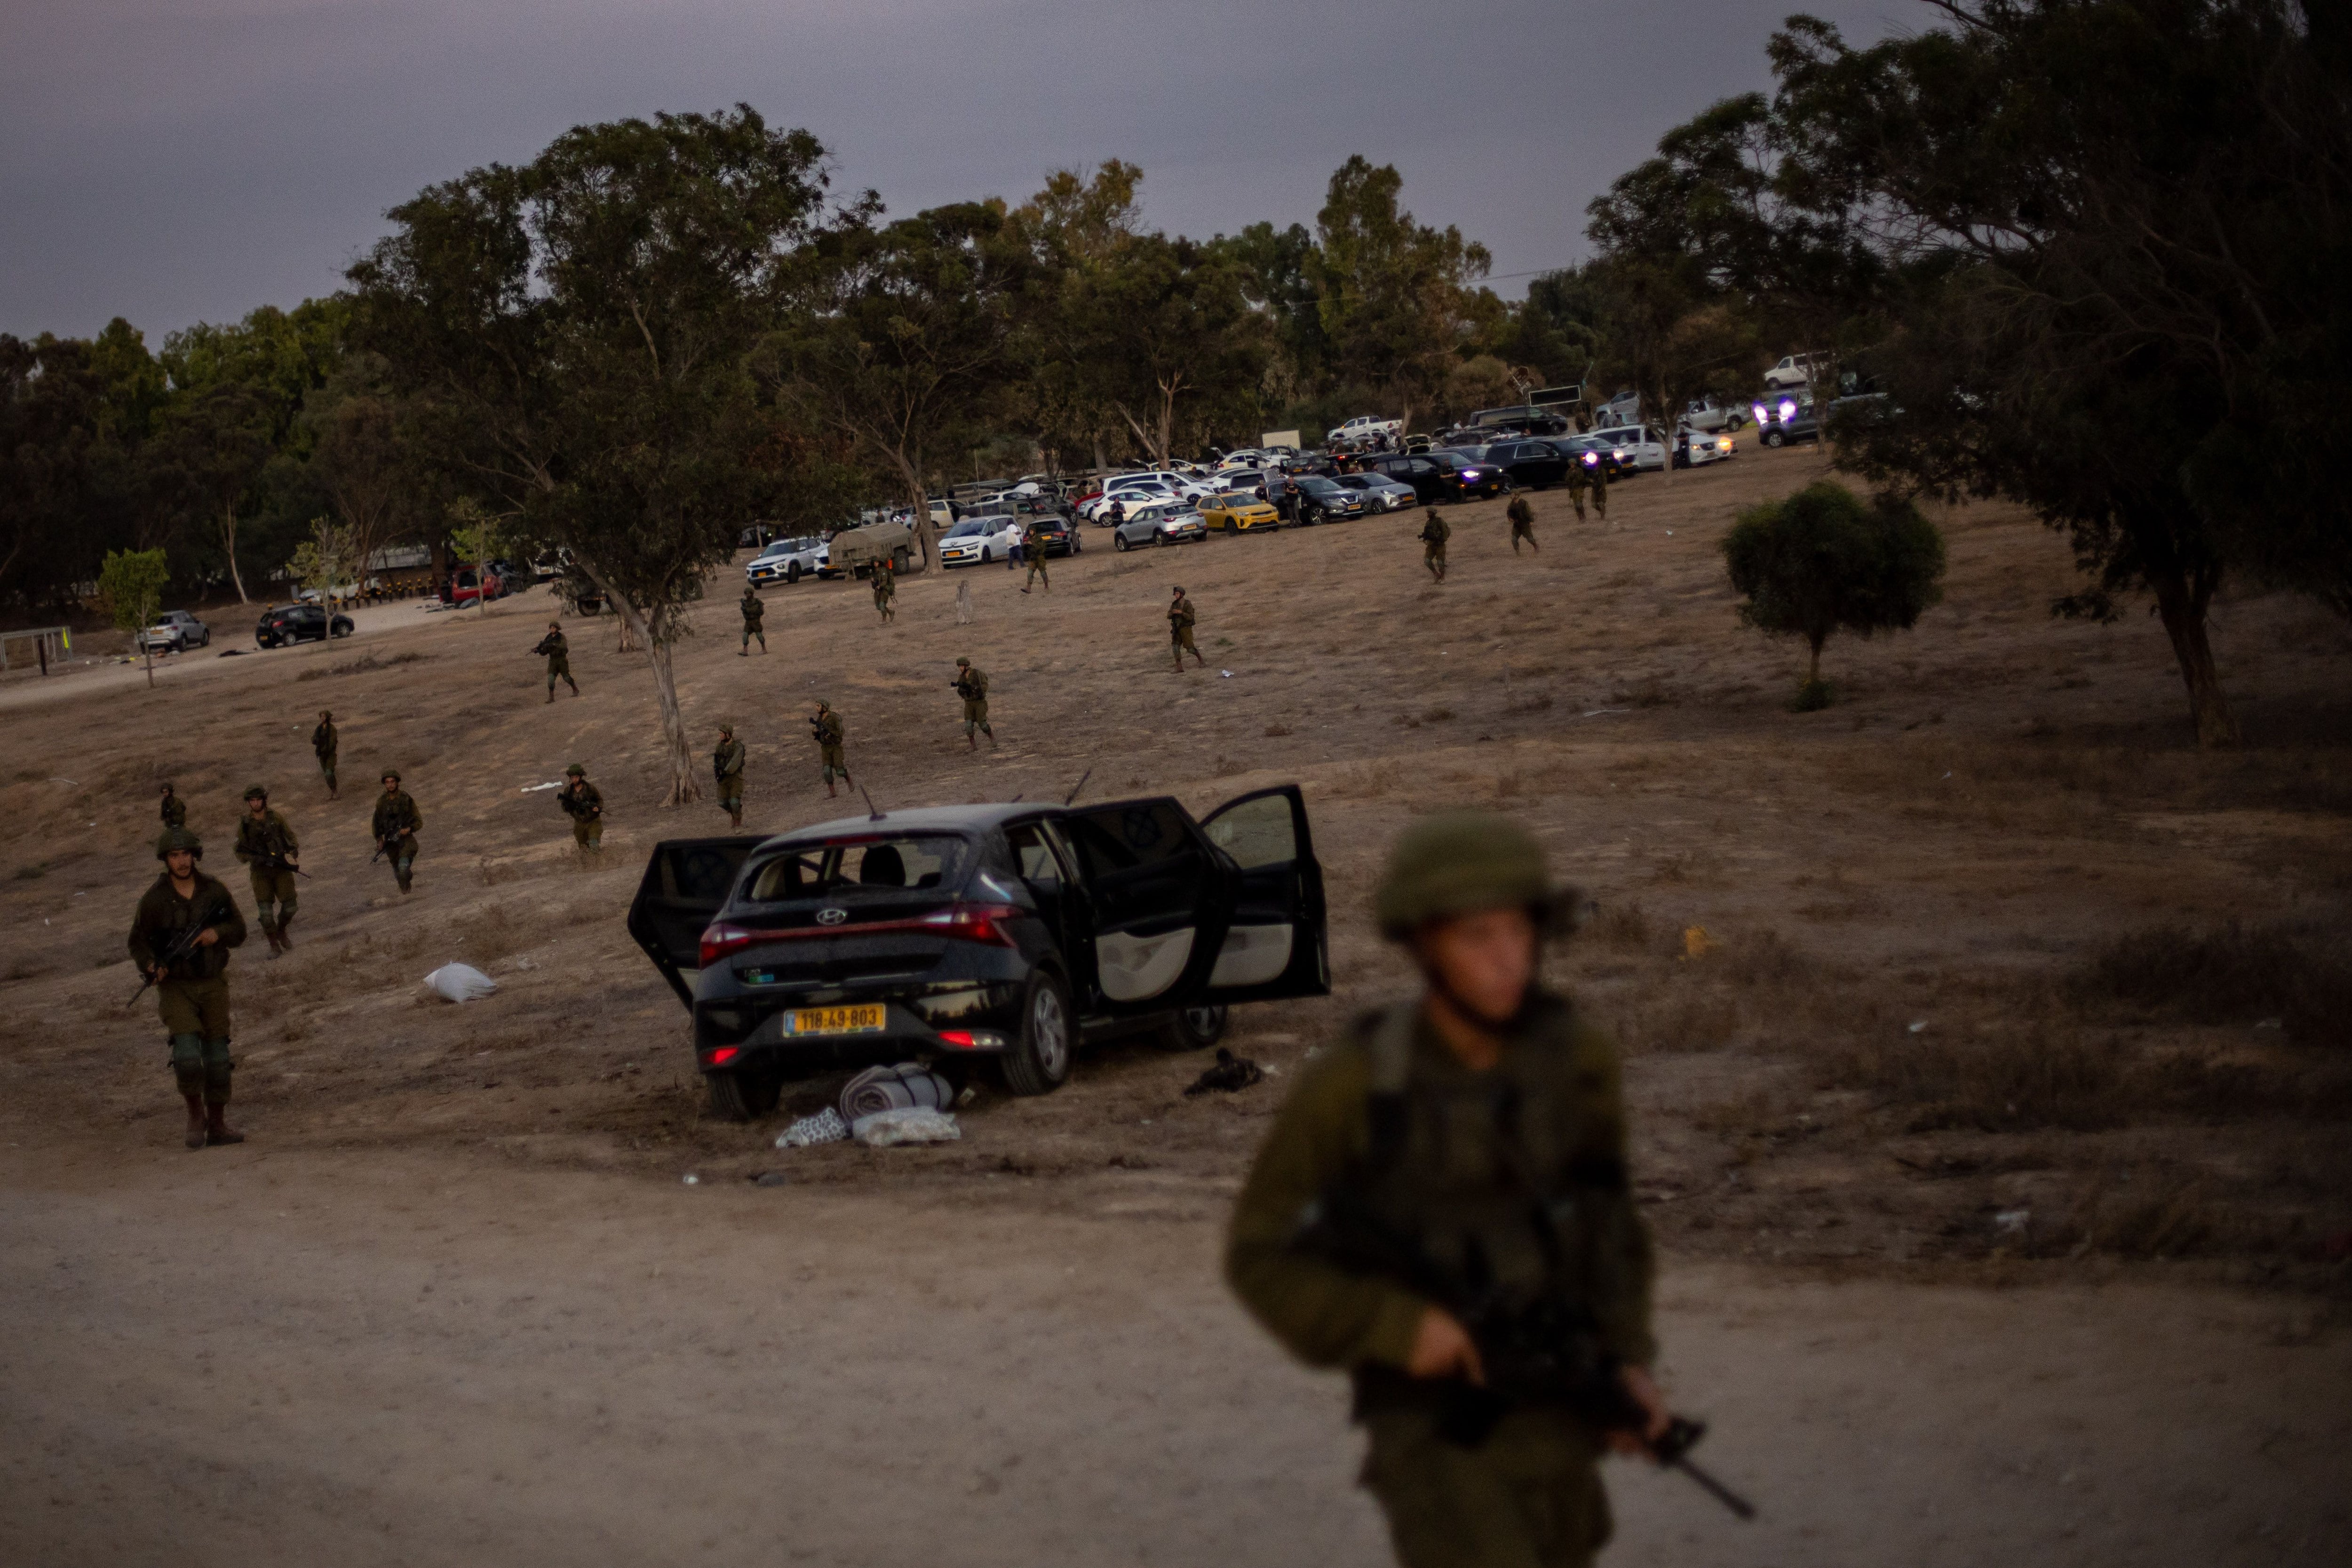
(283,624)
(1011,932)
(1438,476)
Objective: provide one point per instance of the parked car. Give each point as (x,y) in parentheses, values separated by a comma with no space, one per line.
(788,561)
(467,586)
(283,624)
(1525,418)
(1529,464)
(1157,527)
(1438,476)
(1011,933)
(1694,448)
(978,541)
(1323,500)
(1706,413)
(1380,492)
(1648,446)
(1790,418)
(1794,370)
(1624,408)
(173,631)
(1055,536)
(1366,427)
(1240,511)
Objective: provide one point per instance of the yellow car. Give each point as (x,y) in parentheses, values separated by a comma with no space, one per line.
(1236,511)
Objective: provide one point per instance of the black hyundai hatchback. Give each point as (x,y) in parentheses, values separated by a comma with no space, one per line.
(1013,933)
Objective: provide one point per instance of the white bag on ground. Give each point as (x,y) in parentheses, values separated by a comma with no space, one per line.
(460,982)
(825,1127)
(913,1124)
(910,1084)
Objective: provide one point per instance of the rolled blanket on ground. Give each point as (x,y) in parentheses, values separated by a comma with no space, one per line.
(909,1085)
(911,1124)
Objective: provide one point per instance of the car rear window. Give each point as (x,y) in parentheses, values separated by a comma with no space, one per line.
(842,870)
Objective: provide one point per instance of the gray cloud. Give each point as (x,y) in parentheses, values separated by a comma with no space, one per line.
(173,161)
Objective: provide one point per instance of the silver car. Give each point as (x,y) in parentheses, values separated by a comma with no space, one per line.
(1380,493)
(1159,528)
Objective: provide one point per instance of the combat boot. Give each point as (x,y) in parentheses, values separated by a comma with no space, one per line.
(285,936)
(216,1129)
(195,1119)
(274,948)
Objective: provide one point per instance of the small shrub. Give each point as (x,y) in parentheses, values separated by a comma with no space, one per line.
(1822,560)
(2236,975)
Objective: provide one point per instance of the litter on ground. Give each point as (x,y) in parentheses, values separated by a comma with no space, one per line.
(460,982)
(1230,1074)
(825,1127)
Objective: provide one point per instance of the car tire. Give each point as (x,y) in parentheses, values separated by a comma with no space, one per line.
(1118,543)
(1774,438)
(1039,1061)
(984,556)
(742,1094)
(791,573)
(1193,1029)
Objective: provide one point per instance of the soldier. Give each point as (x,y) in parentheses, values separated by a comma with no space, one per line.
(971,685)
(323,742)
(174,811)
(753,613)
(559,659)
(268,846)
(826,729)
(1601,488)
(727,766)
(1523,524)
(1478,1133)
(1579,479)
(191,990)
(1033,544)
(885,591)
(1434,532)
(1179,631)
(583,803)
(396,825)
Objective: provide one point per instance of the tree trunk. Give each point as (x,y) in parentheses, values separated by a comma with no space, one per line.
(685,786)
(925,535)
(1102,464)
(2181,600)
(1813,669)
(228,543)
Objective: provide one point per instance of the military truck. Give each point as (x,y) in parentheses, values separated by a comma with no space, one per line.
(854,551)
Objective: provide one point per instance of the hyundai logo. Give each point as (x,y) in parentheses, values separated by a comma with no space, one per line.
(831,917)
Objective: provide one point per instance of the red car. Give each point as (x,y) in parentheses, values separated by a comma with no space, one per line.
(464,588)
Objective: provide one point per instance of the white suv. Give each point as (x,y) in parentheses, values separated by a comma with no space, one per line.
(1649,451)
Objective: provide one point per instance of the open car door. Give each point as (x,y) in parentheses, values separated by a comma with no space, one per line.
(685,883)
(1275,942)
(1158,899)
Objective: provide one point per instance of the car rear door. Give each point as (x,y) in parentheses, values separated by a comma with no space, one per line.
(1158,901)
(686,883)
(1276,941)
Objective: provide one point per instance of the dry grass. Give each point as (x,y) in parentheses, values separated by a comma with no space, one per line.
(366,661)
(2236,975)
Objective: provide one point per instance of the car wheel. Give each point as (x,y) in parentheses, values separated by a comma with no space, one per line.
(983,557)
(1118,543)
(743,1093)
(791,573)
(1193,1029)
(1040,1059)
(1773,438)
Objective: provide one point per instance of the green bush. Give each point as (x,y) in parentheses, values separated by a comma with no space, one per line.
(1823,561)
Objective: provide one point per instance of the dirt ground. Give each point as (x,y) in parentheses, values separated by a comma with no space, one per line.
(1987,1046)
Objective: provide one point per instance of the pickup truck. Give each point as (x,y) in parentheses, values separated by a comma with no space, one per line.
(1364,426)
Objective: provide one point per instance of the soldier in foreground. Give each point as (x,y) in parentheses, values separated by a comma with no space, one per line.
(558,652)
(324,742)
(1434,532)
(726,767)
(826,729)
(1579,481)
(1180,620)
(885,591)
(179,938)
(1450,1177)
(971,685)
(173,810)
(267,846)
(755,614)
(583,803)
(395,824)
(1600,489)
(1523,524)
(1033,544)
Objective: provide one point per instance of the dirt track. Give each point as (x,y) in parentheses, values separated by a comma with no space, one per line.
(1906,1369)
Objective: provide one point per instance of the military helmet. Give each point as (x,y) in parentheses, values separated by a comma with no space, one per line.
(256,792)
(575,772)
(167,787)
(1459,862)
(727,727)
(179,838)
(962,661)
(391,773)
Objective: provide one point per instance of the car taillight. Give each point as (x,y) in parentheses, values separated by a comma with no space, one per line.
(719,941)
(974,923)
(725,1054)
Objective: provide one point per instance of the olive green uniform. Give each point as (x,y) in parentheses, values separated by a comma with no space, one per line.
(584,805)
(1579,480)
(265,844)
(1180,620)
(885,591)
(1523,524)
(1434,532)
(1033,544)
(1455,1180)
(192,998)
(832,757)
(174,811)
(755,614)
(558,652)
(726,767)
(1600,492)
(972,687)
(397,819)
(324,742)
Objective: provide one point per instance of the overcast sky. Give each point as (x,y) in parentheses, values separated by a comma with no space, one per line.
(175,161)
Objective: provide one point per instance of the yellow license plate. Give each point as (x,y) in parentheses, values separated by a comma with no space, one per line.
(860,1020)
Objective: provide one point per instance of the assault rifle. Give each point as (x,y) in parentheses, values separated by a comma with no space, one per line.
(278,863)
(384,846)
(1548,1354)
(181,945)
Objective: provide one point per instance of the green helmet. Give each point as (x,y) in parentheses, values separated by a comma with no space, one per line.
(256,791)
(575,772)
(1459,862)
(179,838)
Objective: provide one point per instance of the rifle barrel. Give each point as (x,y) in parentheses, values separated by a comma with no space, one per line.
(1723,1494)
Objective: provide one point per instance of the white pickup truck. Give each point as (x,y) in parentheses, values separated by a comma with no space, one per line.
(1365,426)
